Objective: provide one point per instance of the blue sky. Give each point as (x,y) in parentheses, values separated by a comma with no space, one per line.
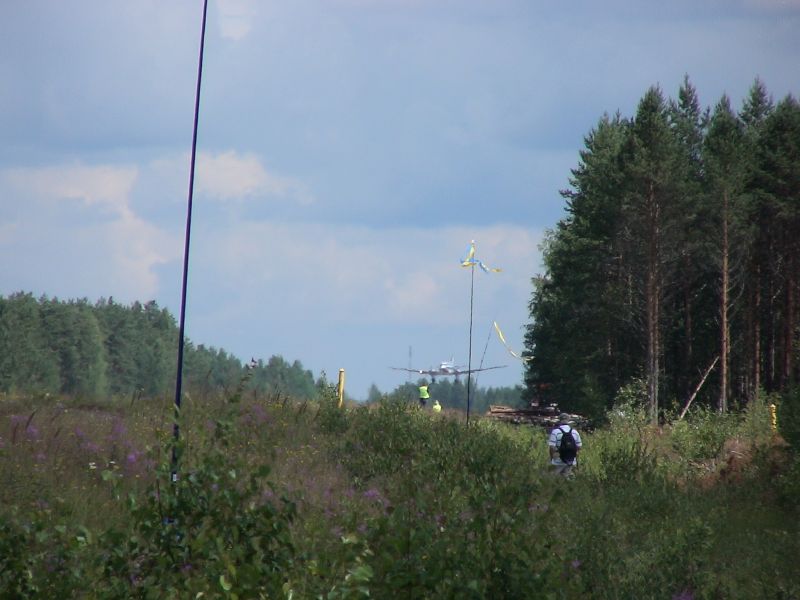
(348,151)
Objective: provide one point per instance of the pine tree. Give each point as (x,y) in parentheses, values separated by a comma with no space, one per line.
(779,171)
(652,219)
(760,280)
(726,179)
(580,336)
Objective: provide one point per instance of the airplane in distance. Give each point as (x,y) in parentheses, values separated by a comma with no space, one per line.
(446,368)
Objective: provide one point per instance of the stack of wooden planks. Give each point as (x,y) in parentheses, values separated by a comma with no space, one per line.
(542,416)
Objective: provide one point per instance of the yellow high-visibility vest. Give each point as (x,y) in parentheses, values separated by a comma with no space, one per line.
(436,406)
(423,392)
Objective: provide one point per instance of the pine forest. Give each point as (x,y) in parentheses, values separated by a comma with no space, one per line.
(674,275)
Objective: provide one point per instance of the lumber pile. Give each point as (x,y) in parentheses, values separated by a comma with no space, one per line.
(541,416)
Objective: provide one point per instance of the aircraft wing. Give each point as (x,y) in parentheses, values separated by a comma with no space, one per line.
(418,371)
(483,369)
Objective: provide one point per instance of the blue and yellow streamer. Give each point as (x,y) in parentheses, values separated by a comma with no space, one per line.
(469,260)
(503,339)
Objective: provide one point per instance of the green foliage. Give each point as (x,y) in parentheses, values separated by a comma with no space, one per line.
(34,558)
(630,405)
(82,351)
(216,526)
(26,364)
(458,528)
(789,418)
(287,499)
(702,434)
(756,419)
(788,482)
(330,417)
(681,226)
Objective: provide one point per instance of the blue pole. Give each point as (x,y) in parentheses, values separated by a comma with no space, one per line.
(181,330)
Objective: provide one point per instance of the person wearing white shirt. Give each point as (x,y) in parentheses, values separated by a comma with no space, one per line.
(564,456)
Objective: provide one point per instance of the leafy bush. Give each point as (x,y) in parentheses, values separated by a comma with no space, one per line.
(331,418)
(630,406)
(789,417)
(702,434)
(756,423)
(34,558)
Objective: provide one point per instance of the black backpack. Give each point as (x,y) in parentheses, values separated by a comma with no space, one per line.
(568,448)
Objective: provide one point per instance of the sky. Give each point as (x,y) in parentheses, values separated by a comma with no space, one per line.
(348,152)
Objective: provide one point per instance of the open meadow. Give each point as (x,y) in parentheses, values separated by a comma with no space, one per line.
(283,499)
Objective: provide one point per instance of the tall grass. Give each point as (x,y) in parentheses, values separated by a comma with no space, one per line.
(281,499)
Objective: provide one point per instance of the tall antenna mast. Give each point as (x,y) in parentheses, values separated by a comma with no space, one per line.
(181,331)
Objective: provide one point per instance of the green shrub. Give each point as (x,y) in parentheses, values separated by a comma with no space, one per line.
(702,434)
(216,528)
(788,484)
(392,501)
(789,417)
(39,558)
(630,406)
(331,418)
(756,423)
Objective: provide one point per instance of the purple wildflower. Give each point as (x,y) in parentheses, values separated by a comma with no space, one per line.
(132,458)
(258,414)
(91,447)
(32,433)
(118,430)
(374,494)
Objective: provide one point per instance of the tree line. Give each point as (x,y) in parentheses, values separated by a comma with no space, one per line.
(453,394)
(78,349)
(676,266)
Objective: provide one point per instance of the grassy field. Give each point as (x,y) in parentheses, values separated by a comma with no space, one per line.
(282,499)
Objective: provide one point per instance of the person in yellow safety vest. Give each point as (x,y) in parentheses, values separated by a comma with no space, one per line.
(423,395)
(436,406)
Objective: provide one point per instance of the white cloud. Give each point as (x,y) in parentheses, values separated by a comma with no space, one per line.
(366,275)
(99,248)
(106,187)
(236,18)
(230,175)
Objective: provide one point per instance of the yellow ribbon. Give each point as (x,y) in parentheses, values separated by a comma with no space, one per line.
(503,339)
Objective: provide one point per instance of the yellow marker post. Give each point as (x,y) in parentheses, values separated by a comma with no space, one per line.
(340,389)
(773,412)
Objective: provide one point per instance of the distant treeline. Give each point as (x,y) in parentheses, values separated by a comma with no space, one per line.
(453,394)
(75,348)
(679,257)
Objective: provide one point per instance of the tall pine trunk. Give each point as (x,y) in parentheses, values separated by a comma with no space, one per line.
(653,292)
(756,316)
(789,322)
(688,358)
(724,327)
